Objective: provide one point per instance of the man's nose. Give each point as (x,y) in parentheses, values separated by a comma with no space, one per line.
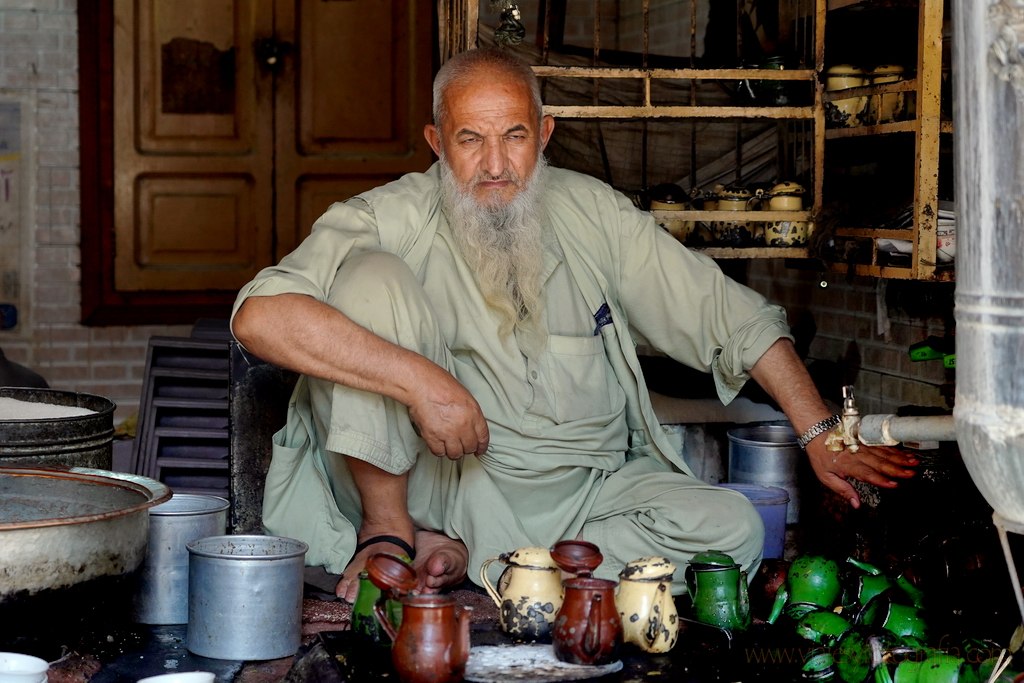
(495,159)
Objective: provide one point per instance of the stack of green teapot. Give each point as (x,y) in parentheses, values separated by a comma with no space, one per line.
(864,625)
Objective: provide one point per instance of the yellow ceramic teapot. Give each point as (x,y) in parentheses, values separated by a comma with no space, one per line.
(644,600)
(786,196)
(529,593)
(847,111)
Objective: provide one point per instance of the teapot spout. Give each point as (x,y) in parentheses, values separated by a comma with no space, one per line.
(592,637)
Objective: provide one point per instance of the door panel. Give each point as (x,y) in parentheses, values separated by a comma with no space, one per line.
(351,108)
(193,194)
(234,124)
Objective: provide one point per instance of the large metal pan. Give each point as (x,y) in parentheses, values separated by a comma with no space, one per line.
(60,527)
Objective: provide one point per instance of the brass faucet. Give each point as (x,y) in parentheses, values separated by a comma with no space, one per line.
(845,435)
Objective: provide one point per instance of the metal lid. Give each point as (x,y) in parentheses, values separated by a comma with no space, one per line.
(786,187)
(714,558)
(648,568)
(844,70)
(532,557)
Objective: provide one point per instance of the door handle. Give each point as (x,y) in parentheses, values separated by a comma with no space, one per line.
(270,52)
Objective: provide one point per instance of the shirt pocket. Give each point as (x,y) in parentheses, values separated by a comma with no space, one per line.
(579,378)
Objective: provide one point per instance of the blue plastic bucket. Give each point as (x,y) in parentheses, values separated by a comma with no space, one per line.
(771,503)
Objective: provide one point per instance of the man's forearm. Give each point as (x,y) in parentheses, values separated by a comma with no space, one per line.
(297,332)
(782,374)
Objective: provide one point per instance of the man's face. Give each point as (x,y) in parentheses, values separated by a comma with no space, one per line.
(490,137)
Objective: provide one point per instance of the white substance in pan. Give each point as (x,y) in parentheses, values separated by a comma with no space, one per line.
(15,409)
(529,663)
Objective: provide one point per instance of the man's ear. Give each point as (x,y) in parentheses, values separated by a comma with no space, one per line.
(547,126)
(433,138)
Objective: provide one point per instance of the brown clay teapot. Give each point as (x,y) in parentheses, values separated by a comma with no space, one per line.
(588,629)
(432,643)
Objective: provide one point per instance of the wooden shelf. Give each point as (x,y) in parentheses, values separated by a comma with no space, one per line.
(709,216)
(650,110)
(668,111)
(926,128)
(910,126)
(754,252)
(943,274)
(881,233)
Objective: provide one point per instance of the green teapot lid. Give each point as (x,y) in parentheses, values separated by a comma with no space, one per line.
(715,558)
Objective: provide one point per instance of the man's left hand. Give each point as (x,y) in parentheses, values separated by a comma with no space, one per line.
(878,465)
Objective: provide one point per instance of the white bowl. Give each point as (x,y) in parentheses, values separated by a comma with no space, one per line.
(181,677)
(18,668)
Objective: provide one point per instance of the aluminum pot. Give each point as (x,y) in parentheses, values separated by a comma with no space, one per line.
(245,597)
(767,455)
(63,527)
(161,595)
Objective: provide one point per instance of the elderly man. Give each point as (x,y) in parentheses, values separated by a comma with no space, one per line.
(469,381)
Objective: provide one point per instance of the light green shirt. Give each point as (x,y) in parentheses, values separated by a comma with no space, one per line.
(613,276)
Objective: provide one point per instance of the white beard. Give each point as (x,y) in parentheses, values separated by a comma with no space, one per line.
(503,246)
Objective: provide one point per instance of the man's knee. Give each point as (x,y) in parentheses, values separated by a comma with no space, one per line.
(370,282)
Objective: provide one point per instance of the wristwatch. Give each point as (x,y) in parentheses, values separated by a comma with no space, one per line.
(818,428)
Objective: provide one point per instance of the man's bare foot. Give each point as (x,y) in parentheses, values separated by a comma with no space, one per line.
(441,561)
(348,587)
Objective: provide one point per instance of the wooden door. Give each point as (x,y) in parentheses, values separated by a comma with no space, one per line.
(237,122)
(351,107)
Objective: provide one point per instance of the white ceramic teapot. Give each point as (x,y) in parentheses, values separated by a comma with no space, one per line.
(644,600)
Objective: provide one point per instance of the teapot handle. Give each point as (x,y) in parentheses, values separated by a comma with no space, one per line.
(660,621)
(379,611)
(486,583)
(688,577)
(744,600)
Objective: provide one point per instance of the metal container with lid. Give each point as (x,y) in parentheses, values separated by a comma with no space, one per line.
(84,439)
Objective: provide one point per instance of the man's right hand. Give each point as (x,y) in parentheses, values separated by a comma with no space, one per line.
(448,418)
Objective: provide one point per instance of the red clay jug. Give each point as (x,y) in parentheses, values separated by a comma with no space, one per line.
(588,629)
(432,643)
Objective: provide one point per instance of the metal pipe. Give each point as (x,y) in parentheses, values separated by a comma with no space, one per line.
(890,430)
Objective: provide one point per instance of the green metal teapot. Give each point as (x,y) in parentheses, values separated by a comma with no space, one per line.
(718,590)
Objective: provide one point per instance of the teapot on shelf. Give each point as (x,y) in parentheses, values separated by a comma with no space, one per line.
(786,195)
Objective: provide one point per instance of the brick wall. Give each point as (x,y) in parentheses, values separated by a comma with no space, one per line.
(867,326)
(38,67)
